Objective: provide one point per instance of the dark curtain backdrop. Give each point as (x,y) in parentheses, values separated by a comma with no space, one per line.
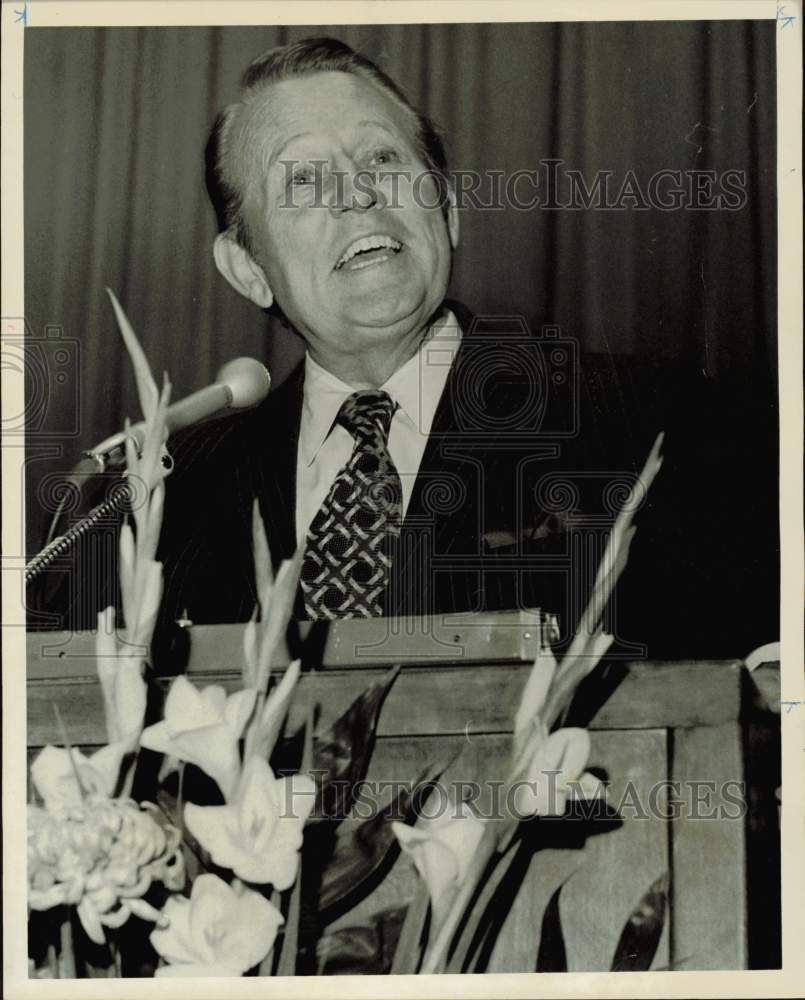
(115,126)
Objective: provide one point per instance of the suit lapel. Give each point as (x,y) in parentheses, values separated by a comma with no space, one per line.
(275,482)
(467,486)
(442,515)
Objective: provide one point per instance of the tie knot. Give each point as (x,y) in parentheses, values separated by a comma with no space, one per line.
(367,413)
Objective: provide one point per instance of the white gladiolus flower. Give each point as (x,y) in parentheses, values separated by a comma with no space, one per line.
(259,833)
(203,728)
(554,774)
(441,849)
(221,930)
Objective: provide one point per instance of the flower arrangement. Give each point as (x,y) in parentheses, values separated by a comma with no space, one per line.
(228,861)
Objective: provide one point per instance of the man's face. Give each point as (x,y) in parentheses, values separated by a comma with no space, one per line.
(340,173)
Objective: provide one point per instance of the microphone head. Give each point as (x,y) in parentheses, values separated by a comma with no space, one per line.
(247,380)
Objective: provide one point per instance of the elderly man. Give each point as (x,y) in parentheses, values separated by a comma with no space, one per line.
(394,455)
(426,461)
(423,460)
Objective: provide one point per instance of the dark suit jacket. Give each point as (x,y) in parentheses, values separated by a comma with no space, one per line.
(529,457)
(471,511)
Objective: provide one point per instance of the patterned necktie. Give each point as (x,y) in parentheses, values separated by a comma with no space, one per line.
(350,543)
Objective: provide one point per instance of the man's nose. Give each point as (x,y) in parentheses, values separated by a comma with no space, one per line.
(355,190)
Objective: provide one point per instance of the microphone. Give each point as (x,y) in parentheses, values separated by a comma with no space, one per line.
(240,384)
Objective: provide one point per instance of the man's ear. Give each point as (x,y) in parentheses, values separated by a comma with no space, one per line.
(242,271)
(452,216)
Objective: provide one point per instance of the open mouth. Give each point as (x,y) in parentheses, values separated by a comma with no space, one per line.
(368,250)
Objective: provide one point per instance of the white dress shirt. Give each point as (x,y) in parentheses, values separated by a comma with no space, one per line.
(325,447)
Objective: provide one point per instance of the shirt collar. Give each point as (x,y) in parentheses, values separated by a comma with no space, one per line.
(416,387)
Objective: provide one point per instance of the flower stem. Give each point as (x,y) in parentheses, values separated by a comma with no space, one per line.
(408,950)
(290,942)
(117,958)
(53,962)
(67,947)
(264,969)
(180,801)
(436,955)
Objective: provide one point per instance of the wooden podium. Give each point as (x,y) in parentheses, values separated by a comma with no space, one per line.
(663,733)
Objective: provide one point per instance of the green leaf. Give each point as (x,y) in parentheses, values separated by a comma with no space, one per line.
(292,929)
(590,642)
(503,880)
(412,939)
(641,934)
(341,755)
(274,619)
(340,760)
(552,955)
(263,572)
(496,887)
(363,858)
(197,861)
(363,950)
(146,386)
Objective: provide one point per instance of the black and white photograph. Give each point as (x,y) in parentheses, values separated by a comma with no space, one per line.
(400,574)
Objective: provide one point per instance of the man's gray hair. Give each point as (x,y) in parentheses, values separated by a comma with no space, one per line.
(226,180)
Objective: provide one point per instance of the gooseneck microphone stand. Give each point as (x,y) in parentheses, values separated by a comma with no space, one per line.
(118,501)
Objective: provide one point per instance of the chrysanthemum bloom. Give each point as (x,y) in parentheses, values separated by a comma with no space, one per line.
(103,856)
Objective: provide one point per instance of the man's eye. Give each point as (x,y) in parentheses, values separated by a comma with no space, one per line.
(302,177)
(382,157)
